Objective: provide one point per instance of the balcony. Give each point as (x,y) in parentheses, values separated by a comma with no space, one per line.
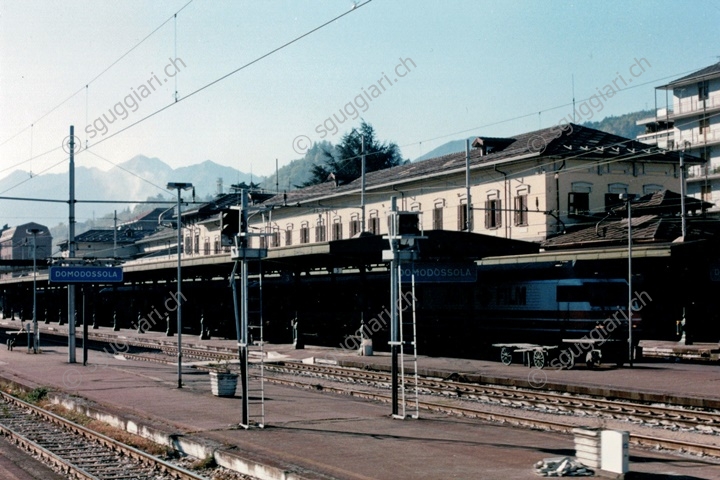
(696,139)
(687,107)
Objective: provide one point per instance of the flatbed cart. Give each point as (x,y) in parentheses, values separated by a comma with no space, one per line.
(538,356)
(533,355)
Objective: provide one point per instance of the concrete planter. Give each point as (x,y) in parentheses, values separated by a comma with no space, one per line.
(223,384)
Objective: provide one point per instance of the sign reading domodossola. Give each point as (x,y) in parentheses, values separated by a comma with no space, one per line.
(86,274)
(427,272)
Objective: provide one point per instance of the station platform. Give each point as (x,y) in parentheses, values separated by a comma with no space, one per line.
(314,435)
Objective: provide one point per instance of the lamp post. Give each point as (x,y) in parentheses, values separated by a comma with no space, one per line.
(629,197)
(179,187)
(36,346)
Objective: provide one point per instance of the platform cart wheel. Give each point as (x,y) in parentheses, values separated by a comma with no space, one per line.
(506,355)
(539,359)
(592,359)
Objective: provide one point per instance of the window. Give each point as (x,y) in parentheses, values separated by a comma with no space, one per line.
(438,217)
(493,214)
(304,233)
(704,124)
(275,238)
(612,200)
(354,227)
(703,90)
(462,217)
(206,246)
(337,230)
(288,238)
(354,224)
(216,245)
(263,241)
(320,232)
(651,188)
(520,213)
(374,226)
(578,203)
(187,246)
(197,243)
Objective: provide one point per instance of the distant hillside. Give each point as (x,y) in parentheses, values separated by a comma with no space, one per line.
(445,149)
(136,179)
(298,171)
(623,125)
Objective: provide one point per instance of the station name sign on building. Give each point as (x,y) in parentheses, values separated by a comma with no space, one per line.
(86,274)
(427,272)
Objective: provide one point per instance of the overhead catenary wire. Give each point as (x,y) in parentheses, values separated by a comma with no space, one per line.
(105,70)
(217,80)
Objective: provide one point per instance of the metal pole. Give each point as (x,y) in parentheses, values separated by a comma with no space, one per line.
(36,342)
(394,304)
(362,187)
(85,329)
(630,302)
(71,249)
(115,234)
(244,370)
(179,290)
(468,211)
(682,194)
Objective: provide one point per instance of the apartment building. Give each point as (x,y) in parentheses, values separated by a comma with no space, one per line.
(691,123)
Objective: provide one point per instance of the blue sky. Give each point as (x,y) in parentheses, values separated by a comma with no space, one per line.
(470,67)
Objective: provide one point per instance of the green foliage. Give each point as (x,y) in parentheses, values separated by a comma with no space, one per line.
(344,162)
(36,394)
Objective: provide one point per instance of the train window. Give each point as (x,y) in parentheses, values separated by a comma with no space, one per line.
(572,293)
(608,294)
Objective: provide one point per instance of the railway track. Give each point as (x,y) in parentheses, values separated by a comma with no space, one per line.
(549,402)
(76,451)
(523,420)
(524,401)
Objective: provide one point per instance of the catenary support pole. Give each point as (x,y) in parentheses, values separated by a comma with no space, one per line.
(71,248)
(394,304)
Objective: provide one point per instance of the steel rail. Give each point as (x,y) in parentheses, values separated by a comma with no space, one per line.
(144,458)
(524,421)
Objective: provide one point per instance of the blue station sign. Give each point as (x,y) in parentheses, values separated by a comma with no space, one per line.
(426,272)
(86,274)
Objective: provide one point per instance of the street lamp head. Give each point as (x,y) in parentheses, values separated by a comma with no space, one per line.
(179,185)
(628,197)
(33,231)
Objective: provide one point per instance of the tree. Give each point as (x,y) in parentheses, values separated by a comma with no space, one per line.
(343,163)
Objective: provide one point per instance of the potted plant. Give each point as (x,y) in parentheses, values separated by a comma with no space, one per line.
(223,382)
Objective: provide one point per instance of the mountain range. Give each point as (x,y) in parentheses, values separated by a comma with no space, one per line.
(137,179)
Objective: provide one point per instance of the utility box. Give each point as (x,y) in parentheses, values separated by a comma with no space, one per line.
(366,347)
(615,457)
